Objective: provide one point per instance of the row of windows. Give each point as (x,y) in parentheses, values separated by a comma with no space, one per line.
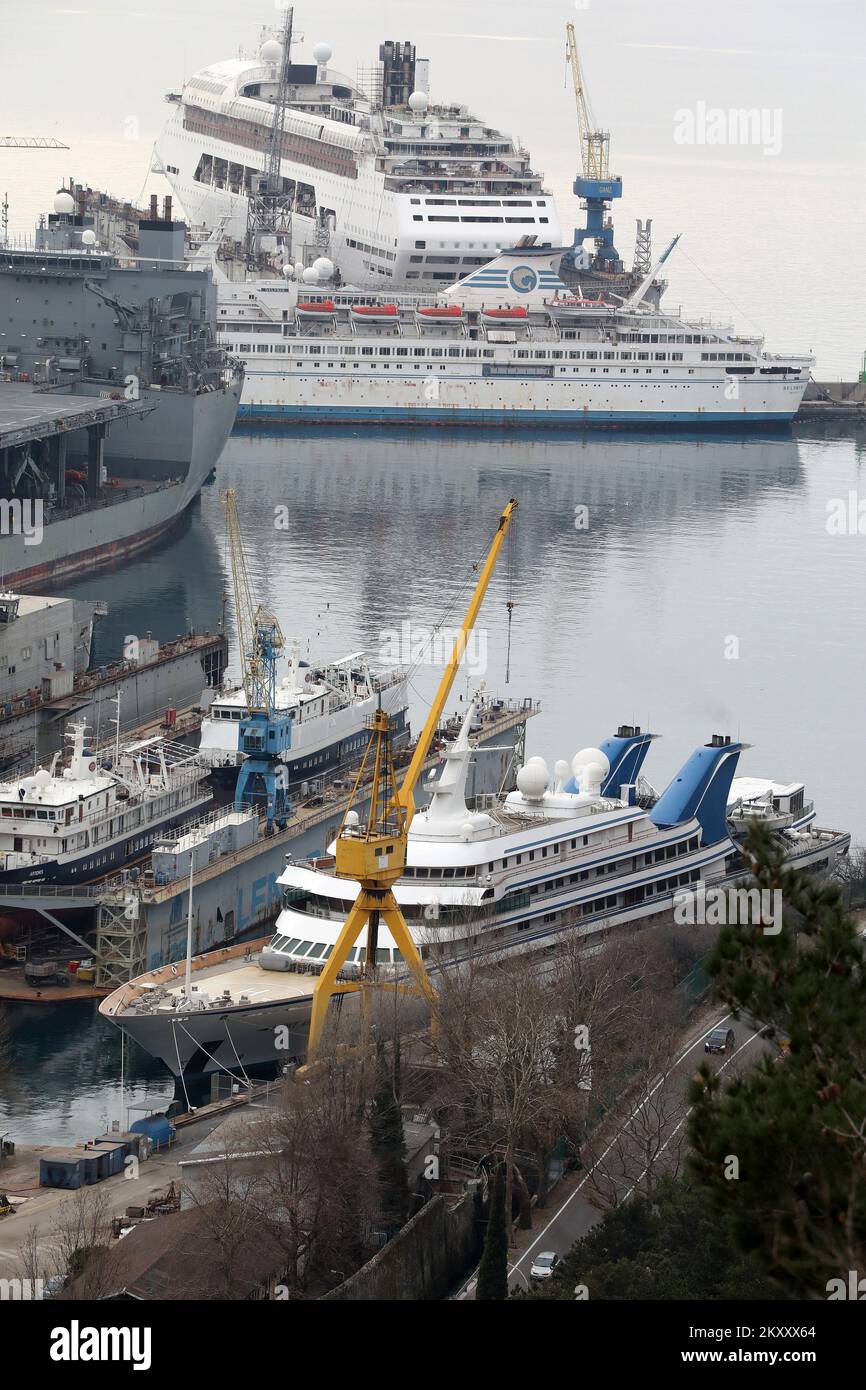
(476,203)
(532,856)
(294,946)
(319,349)
(453,217)
(371,250)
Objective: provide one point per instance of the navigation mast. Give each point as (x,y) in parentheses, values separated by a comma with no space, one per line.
(269,209)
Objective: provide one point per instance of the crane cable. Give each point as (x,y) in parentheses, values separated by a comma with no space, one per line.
(509,603)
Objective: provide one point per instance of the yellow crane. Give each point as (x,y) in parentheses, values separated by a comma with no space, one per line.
(373,853)
(594,143)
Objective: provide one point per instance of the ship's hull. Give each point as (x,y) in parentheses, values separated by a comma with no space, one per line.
(176,444)
(279,398)
(198,1044)
(100,862)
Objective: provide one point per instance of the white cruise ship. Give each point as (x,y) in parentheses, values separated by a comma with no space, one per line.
(398,190)
(77,823)
(330,707)
(508,345)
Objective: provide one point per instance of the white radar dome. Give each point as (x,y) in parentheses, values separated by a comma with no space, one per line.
(299,268)
(353,820)
(561,772)
(64,203)
(310,276)
(323,53)
(323,268)
(590,768)
(532,781)
(88,238)
(289,272)
(271,51)
(467,830)
(419,101)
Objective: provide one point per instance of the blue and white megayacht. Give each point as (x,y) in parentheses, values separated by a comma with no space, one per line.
(576,854)
(588,848)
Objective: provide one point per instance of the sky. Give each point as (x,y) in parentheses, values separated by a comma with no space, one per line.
(765,224)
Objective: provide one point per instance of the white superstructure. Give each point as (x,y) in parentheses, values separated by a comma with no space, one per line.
(76,823)
(396,189)
(330,707)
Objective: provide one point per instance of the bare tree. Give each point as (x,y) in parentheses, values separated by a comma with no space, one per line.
(81,1248)
(320,1195)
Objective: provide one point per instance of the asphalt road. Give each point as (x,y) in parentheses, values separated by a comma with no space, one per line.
(651,1135)
(659,1122)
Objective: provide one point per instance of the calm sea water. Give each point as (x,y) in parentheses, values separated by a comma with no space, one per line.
(706,596)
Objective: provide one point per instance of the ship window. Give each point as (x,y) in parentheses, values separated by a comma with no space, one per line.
(317,950)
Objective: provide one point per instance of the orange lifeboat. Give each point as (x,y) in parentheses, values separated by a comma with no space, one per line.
(445,311)
(518,312)
(375,313)
(318,309)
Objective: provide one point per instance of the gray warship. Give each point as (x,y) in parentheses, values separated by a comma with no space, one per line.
(84,325)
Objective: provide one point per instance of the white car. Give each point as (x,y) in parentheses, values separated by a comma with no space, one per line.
(544,1265)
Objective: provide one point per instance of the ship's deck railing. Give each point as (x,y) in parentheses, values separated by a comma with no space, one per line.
(335,795)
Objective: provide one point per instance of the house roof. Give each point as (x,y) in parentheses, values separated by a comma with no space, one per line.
(178,1256)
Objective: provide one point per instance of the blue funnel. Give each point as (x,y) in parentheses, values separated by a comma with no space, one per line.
(700,789)
(626,752)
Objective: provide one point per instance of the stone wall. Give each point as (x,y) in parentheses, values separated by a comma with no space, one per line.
(428,1258)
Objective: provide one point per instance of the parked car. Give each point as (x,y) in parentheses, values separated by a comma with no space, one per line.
(720,1040)
(544,1265)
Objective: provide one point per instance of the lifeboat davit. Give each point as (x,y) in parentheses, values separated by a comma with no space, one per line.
(375,313)
(319,309)
(506,315)
(445,311)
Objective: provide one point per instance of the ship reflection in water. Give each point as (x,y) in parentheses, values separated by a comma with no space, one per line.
(658,581)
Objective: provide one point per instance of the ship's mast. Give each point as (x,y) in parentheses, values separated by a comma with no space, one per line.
(269,209)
